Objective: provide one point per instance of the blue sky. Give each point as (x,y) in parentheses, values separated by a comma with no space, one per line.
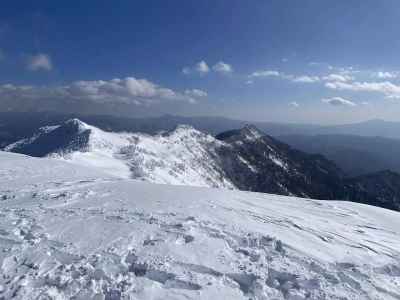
(289,61)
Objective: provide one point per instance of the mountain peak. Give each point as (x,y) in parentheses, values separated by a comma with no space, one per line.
(72,135)
(248,132)
(76,124)
(184,127)
(251,132)
(184,130)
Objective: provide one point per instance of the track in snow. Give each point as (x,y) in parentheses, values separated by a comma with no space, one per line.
(70,232)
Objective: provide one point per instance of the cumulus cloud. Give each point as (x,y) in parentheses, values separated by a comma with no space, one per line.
(201,68)
(196,93)
(128,90)
(223,68)
(294,104)
(387,88)
(338,101)
(39,62)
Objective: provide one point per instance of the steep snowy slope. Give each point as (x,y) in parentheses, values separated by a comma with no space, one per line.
(72,232)
(183,156)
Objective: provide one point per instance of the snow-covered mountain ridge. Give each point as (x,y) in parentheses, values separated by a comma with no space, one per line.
(72,232)
(183,156)
(245,159)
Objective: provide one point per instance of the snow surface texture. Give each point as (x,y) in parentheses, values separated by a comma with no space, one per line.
(71,232)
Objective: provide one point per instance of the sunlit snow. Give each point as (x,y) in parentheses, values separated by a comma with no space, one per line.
(73,232)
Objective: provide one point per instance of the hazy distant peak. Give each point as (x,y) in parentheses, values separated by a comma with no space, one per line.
(184,128)
(251,132)
(248,132)
(183,131)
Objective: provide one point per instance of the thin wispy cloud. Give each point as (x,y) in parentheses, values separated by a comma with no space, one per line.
(338,101)
(278,74)
(265,73)
(386,88)
(196,93)
(338,77)
(294,104)
(40,62)
(304,78)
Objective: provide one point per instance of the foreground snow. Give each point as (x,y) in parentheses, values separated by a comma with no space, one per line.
(72,232)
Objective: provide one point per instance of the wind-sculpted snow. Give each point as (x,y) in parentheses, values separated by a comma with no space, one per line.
(70,232)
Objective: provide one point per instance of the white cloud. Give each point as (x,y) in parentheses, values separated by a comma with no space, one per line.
(221,67)
(345,70)
(196,93)
(338,77)
(200,68)
(387,88)
(293,78)
(40,62)
(294,104)
(385,75)
(186,70)
(305,79)
(266,73)
(338,101)
(128,90)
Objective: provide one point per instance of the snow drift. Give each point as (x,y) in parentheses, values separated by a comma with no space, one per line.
(72,232)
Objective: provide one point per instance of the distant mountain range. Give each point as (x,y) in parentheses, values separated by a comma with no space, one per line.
(355,155)
(244,159)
